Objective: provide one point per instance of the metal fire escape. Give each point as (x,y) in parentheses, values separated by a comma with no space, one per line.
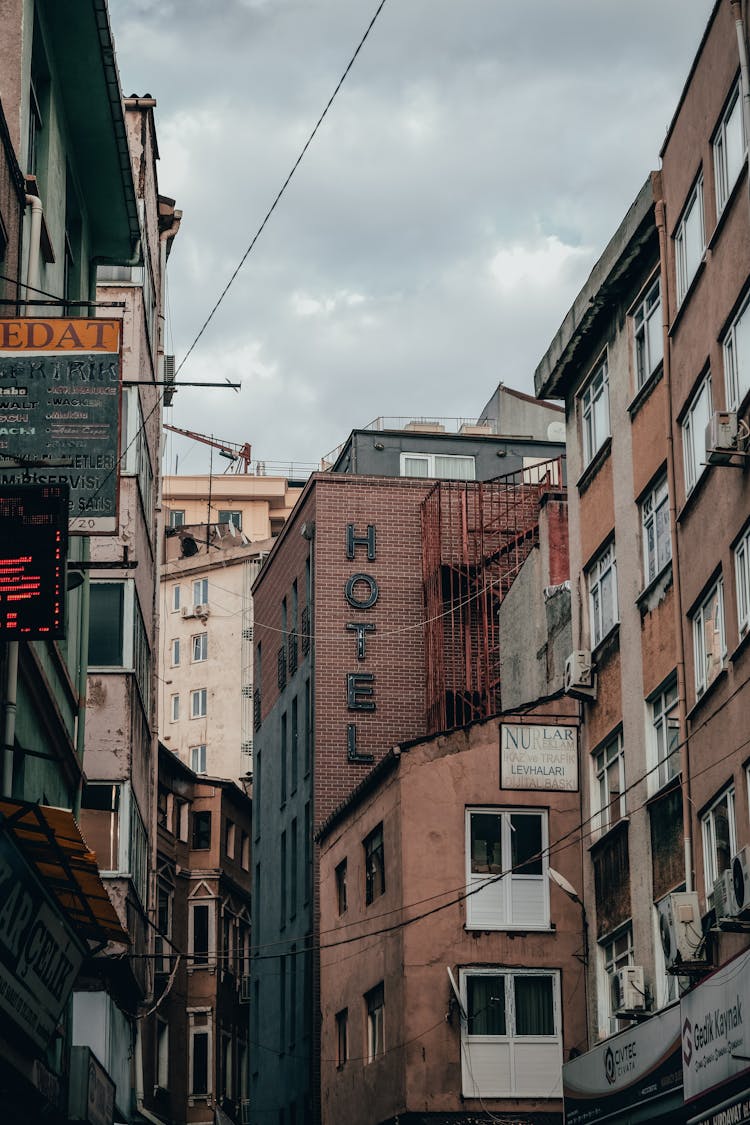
(475,538)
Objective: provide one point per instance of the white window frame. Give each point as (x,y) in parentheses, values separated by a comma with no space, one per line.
(726,177)
(594,407)
(194,1030)
(176,598)
(610,960)
(198,758)
(135,455)
(162,1053)
(198,648)
(608,761)
(210,961)
(163,944)
(511,1065)
(687,269)
(694,434)
(664,729)
(603,566)
(174,710)
(736,347)
(176,517)
(199,703)
(435,465)
(507,900)
(701,655)
(711,870)
(200,591)
(175,652)
(648,340)
(655,502)
(375,1025)
(742,582)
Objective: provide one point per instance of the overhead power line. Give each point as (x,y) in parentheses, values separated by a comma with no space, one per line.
(283,188)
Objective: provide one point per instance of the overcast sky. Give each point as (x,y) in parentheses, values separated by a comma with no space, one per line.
(468,175)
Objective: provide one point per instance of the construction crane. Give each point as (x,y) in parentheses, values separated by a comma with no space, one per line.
(239,456)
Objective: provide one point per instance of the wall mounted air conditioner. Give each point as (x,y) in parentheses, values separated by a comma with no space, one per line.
(741,882)
(725,904)
(681,929)
(721,437)
(202,611)
(628,990)
(580,678)
(188,611)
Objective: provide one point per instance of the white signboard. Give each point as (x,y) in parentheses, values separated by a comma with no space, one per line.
(538,757)
(715,1031)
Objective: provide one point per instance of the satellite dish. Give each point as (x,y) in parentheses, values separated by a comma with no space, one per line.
(456,993)
(563,883)
(188,547)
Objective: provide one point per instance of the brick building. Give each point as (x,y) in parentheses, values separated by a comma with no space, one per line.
(346,666)
(652,365)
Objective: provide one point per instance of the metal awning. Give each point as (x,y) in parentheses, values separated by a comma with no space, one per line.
(51,841)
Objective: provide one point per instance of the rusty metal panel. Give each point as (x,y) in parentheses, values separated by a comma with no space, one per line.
(612,880)
(667,854)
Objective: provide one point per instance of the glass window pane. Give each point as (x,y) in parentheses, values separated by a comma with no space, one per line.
(416,467)
(535,1013)
(106,624)
(526,844)
(486,1005)
(486,858)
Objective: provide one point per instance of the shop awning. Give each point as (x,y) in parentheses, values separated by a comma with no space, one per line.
(51,840)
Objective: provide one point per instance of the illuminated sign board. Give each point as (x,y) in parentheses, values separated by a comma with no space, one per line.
(33,538)
(60,412)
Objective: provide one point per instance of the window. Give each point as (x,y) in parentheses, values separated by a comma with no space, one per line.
(614,953)
(647,335)
(227,515)
(595,412)
(375,1007)
(444,466)
(293,867)
(374,865)
(199,703)
(742,581)
(201,935)
(135,458)
(282,886)
(737,358)
(341,887)
(175,708)
(245,851)
(200,647)
(282,749)
(602,583)
(689,241)
(666,734)
(511,1041)
(709,643)
(506,870)
(163,946)
(200,1051)
(229,838)
(112,827)
(176,517)
(657,541)
(106,625)
(176,598)
(200,591)
(719,840)
(162,1053)
(729,149)
(176,652)
(342,1036)
(201,830)
(609,790)
(181,812)
(198,758)
(694,434)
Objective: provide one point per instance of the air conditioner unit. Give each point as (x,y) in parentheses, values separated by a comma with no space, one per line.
(188,611)
(721,437)
(245,1111)
(244,990)
(681,929)
(741,882)
(628,990)
(580,678)
(202,610)
(725,904)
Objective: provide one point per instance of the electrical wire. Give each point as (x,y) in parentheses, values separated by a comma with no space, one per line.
(283,188)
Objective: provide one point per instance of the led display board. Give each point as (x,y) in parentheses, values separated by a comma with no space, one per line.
(60,412)
(33,543)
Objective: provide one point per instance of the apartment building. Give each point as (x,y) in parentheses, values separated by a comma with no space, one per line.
(650,362)
(346,664)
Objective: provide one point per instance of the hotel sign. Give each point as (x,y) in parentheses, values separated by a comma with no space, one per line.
(39,954)
(715,1023)
(538,757)
(60,403)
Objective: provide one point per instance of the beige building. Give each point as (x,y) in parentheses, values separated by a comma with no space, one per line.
(206,655)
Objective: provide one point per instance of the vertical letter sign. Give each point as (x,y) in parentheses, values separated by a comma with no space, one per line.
(60,412)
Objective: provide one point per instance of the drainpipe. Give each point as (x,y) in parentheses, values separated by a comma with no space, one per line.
(83,668)
(687,825)
(739,24)
(11,662)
